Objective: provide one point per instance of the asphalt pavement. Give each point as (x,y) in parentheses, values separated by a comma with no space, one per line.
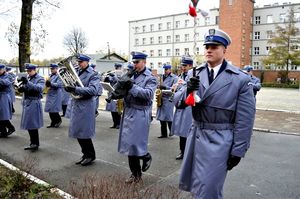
(269,170)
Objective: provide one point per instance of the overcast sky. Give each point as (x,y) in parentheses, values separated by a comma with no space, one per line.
(103,21)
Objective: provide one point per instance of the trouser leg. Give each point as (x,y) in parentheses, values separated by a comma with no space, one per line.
(87,148)
(118,118)
(56,118)
(169,125)
(64,109)
(113,118)
(52,118)
(3,131)
(182,141)
(34,136)
(163,128)
(135,166)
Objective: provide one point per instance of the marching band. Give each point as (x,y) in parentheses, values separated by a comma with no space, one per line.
(213,135)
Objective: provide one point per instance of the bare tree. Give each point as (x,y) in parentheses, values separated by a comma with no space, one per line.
(30,39)
(75,41)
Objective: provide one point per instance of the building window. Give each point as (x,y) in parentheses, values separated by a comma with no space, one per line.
(159,64)
(151,40)
(160,39)
(197,50)
(151,65)
(168,52)
(295,47)
(136,42)
(168,25)
(282,17)
(256,35)
(207,21)
(144,28)
(256,65)
(197,35)
(257,20)
(256,50)
(151,53)
(186,23)
(152,27)
(187,51)
(269,34)
(217,20)
(177,52)
(186,37)
(297,16)
(268,49)
(168,39)
(177,24)
(137,29)
(144,41)
(159,26)
(177,38)
(230,2)
(159,53)
(269,18)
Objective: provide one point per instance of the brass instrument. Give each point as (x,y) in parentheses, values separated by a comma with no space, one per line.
(174,89)
(158,94)
(68,75)
(120,106)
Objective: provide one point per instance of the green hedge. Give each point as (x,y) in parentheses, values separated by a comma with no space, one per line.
(278,85)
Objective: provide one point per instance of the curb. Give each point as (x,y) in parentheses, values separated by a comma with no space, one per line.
(274,131)
(277,110)
(36,180)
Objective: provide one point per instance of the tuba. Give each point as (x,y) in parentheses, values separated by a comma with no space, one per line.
(120,106)
(158,94)
(68,74)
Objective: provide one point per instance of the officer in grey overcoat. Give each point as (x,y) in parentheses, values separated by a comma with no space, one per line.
(255,82)
(82,116)
(165,112)
(111,106)
(182,120)
(54,97)
(135,122)
(222,120)
(32,114)
(100,90)
(6,128)
(12,78)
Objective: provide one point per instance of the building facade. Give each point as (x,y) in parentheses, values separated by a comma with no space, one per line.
(167,37)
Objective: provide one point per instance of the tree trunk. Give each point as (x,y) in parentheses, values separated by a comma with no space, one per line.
(25,33)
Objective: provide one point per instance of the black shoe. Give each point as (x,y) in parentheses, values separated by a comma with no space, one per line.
(96,114)
(50,126)
(147,159)
(170,135)
(32,147)
(113,127)
(3,135)
(57,124)
(179,156)
(162,136)
(80,160)
(87,161)
(133,179)
(10,131)
(118,127)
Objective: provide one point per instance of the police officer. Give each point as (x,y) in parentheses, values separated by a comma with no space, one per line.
(32,114)
(135,123)
(182,120)
(6,128)
(54,97)
(165,112)
(100,90)
(12,78)
(111,106)
(222,120)
(82,116)
(255,82)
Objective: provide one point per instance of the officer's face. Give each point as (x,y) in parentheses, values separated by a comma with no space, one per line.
(83,64)
(2,71)
(139,65)
(31,72)
(185,68)
(53,70)
(214,54)
(167,71)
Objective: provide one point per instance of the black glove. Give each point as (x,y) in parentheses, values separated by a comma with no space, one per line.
(21,89)
(162,87)
(24,80)
(193,84)
(111,74)
(126,83)
(232,161)
(70,89)
(106,79)
(48,83)
(181,104)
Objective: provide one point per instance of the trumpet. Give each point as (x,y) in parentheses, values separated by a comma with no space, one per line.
(174,89)
(68,75)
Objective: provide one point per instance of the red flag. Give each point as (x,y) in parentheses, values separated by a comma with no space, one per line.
(192,11)
(190,100)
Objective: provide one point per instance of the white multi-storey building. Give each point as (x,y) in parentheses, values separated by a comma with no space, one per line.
(166,37)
